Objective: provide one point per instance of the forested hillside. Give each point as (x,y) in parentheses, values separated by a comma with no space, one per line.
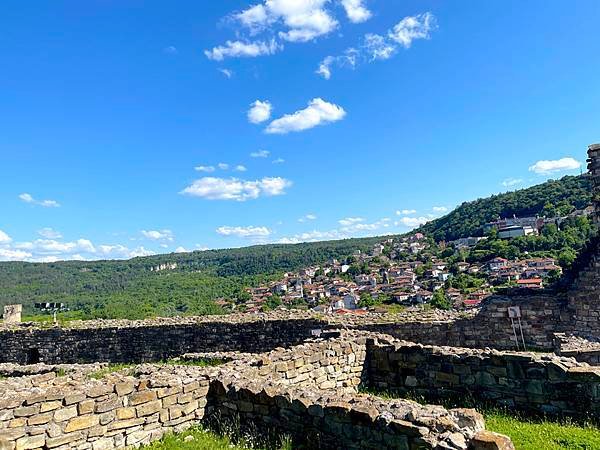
(130,289)
(552,198)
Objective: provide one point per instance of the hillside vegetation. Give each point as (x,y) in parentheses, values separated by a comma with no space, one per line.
(129,289)
(552,198)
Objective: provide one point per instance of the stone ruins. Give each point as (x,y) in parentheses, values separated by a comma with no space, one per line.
(308,376)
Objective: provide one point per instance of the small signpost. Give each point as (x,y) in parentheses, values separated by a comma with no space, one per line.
(52,308)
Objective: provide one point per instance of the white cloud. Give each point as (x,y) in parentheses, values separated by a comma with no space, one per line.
(170,50)
(206,169)
(228,73)
(212,188)
(376,47)
(245,232)
(260,154)
(307,217)
(223,166)
(412,222)
(159,235)
(348,59)
(7,254)
(55,247)
(28,198)
(259,111)
(546,167)
(122,252)
(303,20)
(181,249)
(511,182)
(318,112)
(356,10)
(239,49)
(49,233)
(439,209)
(325,67)
(278,161)
(4,238)
(350,221)
(411,28)
(406,212)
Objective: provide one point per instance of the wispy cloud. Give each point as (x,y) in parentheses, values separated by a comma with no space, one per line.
(260,111)
(546,167)
(439,209)
(4,238)
(511,182)
(278,161)
(228,73)
(376,47)
(406,212)
(350,221)
(28,198)
(245,232)
(159,235)
(49,233)
(240,49)
(412,222)
(307,217)
(260,154)
(318,112)
(206,169)
(212,188)
(170,50)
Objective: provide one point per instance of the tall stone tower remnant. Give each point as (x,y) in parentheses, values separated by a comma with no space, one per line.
(594,171)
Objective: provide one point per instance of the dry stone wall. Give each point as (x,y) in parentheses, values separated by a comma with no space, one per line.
(267,393)
(147,341)
(65,412)
(525,381)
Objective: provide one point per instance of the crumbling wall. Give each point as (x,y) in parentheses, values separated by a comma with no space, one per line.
(524,381)
(148,341)
(49,411)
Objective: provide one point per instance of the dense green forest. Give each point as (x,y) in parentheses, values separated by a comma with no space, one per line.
(129,289)
(552,198)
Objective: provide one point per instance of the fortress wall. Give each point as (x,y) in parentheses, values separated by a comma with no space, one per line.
(523,381)
(148,342)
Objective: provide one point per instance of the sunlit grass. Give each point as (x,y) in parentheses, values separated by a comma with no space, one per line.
(197,438)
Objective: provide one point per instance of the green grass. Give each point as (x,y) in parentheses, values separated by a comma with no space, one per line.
(111,368)
(202,440)
(203,362)
(530,434)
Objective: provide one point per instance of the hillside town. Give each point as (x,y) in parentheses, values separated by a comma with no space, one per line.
(407,271)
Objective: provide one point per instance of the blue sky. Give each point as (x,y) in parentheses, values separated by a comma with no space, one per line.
(345,117)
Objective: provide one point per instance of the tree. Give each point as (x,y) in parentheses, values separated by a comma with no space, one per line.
(440,301)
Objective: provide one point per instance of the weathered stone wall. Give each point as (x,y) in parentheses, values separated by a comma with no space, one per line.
(73,411)
(336,364)
(524,381)
(147,341)
(65,412)
(543,314)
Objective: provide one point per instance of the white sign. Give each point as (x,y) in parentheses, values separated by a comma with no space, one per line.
(514,312)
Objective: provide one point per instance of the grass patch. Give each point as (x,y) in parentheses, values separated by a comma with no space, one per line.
(111,368)
(197,438)
(202,362)
(531,434)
